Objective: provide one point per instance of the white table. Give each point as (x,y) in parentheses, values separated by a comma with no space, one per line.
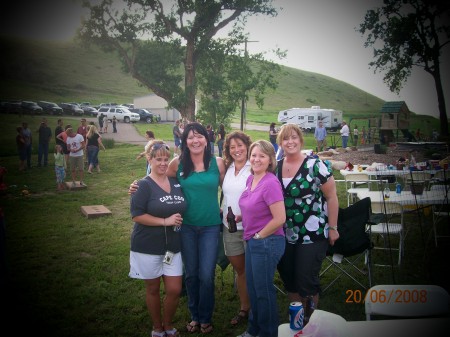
(406,198)
(327,324)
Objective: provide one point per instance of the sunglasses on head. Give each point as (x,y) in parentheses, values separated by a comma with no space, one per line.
(160,145)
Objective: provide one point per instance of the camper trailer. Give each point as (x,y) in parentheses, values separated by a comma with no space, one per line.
(308,118)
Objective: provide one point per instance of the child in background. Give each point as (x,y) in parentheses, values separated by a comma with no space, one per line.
(60,167)
(105,125)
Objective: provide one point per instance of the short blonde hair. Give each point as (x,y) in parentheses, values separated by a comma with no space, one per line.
(267,148)
(157,147)
(286,131)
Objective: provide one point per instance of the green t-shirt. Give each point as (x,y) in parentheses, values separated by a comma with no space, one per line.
(200,191)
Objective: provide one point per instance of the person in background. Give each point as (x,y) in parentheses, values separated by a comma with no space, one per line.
(355,135)
(60,167)
(62,136)
(176,138)
(114,124)
(363,135)
(101,119)
(273,136)
(75,145)
(221,138)
(26,132)
(21,148)
(149,136)
(58,129)
(157,208)
(93,145)
(199,174)
(312,208)
(345,131)
(235,152)
(105,124)
(320,134)
(263,216)
(82,129)
(211,137)
(45,135)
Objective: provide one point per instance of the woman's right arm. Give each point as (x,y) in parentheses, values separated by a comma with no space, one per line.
(150,220)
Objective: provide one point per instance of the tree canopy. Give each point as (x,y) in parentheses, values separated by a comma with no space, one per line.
(168,46)
(406,34)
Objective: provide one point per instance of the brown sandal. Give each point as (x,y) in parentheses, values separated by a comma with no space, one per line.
(193,327)
(206,328)
(242,314)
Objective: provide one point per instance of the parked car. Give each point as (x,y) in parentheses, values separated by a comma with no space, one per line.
(122,114)
(71,109)
(13,107)
(29,107)
(88,109)
(50,108)
(146,116)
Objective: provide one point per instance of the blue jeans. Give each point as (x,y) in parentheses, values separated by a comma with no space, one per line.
(43,152)
(92,152)
(344,141)
(261,259)
(28,149)
(199,246)
(220,147)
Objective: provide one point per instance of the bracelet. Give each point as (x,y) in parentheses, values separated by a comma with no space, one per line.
(334,228)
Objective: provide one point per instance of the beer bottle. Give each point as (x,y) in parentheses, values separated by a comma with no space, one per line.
(231,221)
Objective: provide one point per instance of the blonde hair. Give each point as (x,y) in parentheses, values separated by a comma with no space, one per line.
(286,131)
(157,147)
(267,148)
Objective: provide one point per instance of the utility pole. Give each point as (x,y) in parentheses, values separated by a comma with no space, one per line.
(243,94)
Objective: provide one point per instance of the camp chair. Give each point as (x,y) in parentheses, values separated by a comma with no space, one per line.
(352,246)
(406,301)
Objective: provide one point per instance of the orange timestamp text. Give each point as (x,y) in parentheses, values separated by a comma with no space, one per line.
(387,296)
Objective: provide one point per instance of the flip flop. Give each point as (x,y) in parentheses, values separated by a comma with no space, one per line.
(206,328)
(242,314)
(193,327)
(172,333)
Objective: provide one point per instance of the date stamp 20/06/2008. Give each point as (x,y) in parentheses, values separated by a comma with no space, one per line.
(387,296)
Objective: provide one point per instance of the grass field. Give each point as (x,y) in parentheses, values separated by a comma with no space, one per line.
(68,275)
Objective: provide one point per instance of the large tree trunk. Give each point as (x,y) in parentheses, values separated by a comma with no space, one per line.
(441,104)
(189,81)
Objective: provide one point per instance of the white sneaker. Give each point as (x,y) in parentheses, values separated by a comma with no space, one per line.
(246,334)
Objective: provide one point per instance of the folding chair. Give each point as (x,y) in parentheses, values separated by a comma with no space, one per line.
(418,176)
(352,246)
(406,301)
(391,215)
(440,211)
(352,181)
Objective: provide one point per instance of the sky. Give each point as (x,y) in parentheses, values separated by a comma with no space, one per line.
(319,36)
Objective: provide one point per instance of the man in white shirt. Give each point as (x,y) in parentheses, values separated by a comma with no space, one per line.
(75,145)
(345,131)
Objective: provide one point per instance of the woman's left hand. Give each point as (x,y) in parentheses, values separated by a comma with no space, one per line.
(333,235)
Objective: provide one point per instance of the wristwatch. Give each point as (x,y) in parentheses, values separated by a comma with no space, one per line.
(334,228)
(257,236)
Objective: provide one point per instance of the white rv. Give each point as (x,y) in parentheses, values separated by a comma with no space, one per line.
(308,118)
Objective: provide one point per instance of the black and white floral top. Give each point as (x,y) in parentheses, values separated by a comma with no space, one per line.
(306,206)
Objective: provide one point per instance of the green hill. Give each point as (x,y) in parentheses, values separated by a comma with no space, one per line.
(64,71)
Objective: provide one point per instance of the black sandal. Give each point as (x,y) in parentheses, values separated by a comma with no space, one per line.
(242,314)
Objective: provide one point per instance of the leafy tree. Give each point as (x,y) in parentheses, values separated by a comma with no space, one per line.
(407,33)
(155,37)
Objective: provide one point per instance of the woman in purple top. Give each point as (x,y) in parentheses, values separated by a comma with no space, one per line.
(263,215)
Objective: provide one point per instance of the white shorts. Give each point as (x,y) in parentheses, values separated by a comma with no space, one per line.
(148,267)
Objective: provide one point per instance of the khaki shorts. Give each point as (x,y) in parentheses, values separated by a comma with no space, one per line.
(76,162)
(233,243)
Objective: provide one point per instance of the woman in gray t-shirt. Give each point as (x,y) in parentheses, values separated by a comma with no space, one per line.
(156,209)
